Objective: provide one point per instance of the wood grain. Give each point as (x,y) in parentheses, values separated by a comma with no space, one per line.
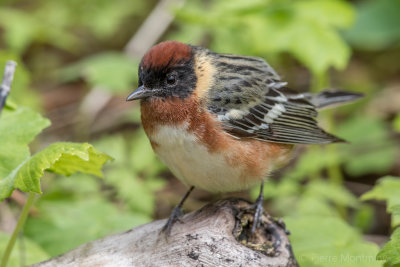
(216,235)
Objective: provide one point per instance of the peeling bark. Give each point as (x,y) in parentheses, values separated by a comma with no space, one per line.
(216,235)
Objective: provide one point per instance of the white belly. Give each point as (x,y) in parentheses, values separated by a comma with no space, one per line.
(193,164)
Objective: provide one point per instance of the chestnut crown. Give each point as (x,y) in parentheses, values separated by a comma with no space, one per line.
(166,70)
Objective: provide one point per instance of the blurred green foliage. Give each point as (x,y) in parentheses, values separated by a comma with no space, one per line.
(388,189)
(20,91)
(379,33)
(306,29)
(112,71)
(74,42)
(33,252)
(17,129)
(22,171)
(390,252)
(59,23)
(317,243)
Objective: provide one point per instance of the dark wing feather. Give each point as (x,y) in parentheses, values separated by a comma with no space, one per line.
(250,100)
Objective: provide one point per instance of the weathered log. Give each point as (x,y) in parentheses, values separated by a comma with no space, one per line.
(216,235)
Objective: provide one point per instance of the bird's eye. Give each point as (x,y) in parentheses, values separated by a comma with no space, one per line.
(171,79)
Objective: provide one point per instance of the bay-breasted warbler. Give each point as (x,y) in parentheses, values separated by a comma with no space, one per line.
(224,122)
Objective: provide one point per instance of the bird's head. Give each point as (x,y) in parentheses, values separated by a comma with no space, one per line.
(166,70)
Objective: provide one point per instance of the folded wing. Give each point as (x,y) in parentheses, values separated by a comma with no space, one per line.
(251,101)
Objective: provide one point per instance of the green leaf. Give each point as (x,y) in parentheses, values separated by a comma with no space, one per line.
(328,241)
(388,189)
(391,251)
(33,253)
(17,129)
(61,158)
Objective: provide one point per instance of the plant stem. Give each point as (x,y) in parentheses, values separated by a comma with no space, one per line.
(5,85)
(20,225)
(318,82)
(334,171)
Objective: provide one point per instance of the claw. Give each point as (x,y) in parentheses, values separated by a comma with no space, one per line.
(258,210)
(176,215)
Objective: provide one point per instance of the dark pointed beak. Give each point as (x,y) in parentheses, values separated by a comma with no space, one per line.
(140,93)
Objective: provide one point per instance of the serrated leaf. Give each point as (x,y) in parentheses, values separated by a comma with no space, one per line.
(388,189)
(391,250)
(328,241)
(17,129)
(61,158)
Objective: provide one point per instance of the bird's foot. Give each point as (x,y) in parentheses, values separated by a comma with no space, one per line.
(258,211)
(176,215)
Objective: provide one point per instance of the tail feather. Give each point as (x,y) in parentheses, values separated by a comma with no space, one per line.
(333,98)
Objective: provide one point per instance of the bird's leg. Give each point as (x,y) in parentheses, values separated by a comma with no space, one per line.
(175,214)
(258,206)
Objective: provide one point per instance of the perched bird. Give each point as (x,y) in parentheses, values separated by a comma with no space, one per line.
(224,122)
